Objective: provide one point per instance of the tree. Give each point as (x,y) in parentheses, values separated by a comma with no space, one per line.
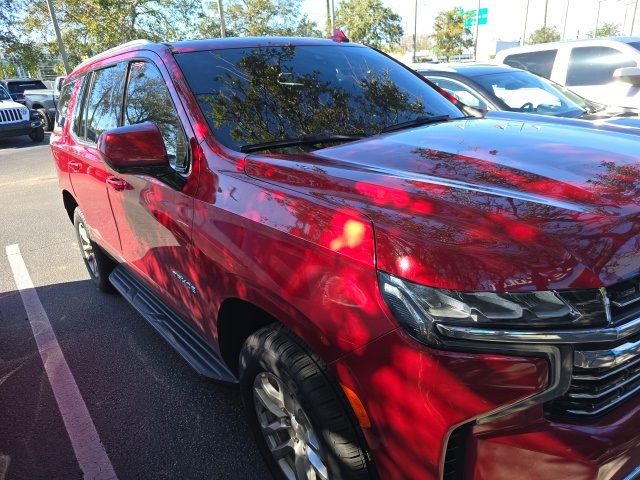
(369,22)
(91,26)
(606,30)
(450,35)
(269,17)
(544,35)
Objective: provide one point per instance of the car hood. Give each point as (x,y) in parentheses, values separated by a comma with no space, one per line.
(4,104)
(486,204)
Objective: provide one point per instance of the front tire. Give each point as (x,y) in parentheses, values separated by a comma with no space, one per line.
(98,263)
(301,421)
(37,134)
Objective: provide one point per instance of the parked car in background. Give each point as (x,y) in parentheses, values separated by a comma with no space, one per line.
(503,88)
(17,86)
(605,71)
(17,120)
(45,101)
(402,291)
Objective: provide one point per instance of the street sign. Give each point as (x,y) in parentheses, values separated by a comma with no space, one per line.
(482,17)
(472,16)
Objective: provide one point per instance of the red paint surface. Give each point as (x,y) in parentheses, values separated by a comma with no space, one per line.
(475,205)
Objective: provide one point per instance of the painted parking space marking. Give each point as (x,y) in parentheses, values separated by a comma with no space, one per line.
(88,448)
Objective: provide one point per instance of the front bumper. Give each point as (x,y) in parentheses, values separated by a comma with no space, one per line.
(16,129)
(418,398)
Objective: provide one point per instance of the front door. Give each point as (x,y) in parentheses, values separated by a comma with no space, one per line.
(590,74)
(154,218)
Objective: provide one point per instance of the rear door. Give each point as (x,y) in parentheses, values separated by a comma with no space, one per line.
(99,110)
(154,218)
(540,62)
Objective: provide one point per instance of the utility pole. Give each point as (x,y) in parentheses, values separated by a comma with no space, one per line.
(526,17)
(595,32)
(223,29)
(566,15)
(63,52)
(328,21)
(475,44)
(333,16)
(415,29)
(546,7)
(633,19)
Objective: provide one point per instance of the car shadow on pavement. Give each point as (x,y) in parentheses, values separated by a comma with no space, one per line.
(154,415)
(23,142)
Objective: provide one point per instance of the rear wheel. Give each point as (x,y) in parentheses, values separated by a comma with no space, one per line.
(37,134)
(98,263)
(302,423)
(47,124)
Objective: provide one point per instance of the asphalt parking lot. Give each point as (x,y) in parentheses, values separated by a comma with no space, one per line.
(155,417)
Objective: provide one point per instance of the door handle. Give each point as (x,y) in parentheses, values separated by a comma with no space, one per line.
(116,183)
(74,166)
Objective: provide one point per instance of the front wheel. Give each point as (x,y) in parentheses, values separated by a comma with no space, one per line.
(302,423)
(98,264)
(37,134)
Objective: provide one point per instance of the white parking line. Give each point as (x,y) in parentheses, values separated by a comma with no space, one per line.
(89,451)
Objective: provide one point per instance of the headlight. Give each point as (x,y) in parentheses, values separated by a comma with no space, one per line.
(419,308)
(24,112)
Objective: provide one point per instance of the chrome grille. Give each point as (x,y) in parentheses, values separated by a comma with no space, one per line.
(601,380)
(10,115)
(624,300)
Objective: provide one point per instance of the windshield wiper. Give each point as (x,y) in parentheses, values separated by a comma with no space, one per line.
(416,122)
(304,140)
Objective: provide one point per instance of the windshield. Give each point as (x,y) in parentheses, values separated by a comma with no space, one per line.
(257,95)
(4,95)
(21,86)
(525,92)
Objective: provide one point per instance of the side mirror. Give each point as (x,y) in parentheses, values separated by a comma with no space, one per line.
(628,75)
(134,149)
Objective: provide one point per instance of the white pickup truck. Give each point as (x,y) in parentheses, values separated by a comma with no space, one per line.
(45,102)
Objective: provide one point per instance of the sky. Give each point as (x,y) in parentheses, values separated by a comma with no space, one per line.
(506,18)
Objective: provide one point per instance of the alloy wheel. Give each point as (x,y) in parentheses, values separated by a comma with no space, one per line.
(286,428)
(87,249)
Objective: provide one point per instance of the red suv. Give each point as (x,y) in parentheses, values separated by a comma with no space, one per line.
(402,291)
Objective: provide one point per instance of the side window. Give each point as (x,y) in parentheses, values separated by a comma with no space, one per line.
(104,101)
(461,91)
(78,111)
(149,100)
(595,65)
(540,63)
(63,102)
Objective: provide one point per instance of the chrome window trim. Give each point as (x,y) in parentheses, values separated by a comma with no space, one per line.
(606,358)
(585,335)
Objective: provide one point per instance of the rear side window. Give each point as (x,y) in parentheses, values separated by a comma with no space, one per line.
(540,63)
(104,101)
(21,86)
(149,100)
(63,102)
(461,91)
(595,65)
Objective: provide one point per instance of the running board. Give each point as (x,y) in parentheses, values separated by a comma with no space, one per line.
(180,335)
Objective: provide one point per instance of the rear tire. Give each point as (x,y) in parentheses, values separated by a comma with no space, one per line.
(37,134)
(98,263)
(292,400)
(47,124)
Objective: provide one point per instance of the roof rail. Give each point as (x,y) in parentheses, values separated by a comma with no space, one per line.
(116,49)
